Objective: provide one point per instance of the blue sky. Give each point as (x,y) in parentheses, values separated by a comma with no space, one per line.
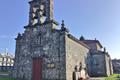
(92,18)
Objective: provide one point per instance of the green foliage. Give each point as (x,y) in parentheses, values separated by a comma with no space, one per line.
(113,77)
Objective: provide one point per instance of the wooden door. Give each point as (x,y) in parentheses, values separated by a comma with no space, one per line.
(37,69)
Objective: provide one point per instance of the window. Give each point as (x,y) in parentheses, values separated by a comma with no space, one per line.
(50,65)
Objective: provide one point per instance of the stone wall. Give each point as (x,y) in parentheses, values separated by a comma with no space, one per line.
(43,42)
(96,65)
(108,65)
(75,53)
(99,64)
(116,66)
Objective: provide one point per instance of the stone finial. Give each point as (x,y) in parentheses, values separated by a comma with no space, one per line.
(104,49)
(82,38)
(19,36)
(63,28)
(63,25)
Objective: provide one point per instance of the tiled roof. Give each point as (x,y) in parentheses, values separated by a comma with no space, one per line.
(91,42)
(77,40)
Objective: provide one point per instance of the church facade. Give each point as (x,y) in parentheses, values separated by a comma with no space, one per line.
(44,52)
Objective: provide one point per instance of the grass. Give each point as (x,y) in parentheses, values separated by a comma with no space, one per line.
(7,79)
(113,77)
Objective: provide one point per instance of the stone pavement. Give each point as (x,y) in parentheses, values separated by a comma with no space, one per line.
(97,78)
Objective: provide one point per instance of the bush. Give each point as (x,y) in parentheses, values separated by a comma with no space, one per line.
(113,77)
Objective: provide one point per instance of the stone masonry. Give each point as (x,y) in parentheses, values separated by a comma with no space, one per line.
(59,50)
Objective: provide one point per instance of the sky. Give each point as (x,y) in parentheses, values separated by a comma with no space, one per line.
(98,19)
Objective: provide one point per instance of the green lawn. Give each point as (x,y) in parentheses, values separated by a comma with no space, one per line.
(113,77)
(7,79)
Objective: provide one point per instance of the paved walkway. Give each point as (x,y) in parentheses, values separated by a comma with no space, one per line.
(97,78)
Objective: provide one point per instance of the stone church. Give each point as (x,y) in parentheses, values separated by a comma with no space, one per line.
(44,52)
(99,62)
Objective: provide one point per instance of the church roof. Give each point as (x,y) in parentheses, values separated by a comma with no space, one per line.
(77,40)
(92,42)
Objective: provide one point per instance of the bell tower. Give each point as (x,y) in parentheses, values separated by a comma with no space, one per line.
(40,11)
